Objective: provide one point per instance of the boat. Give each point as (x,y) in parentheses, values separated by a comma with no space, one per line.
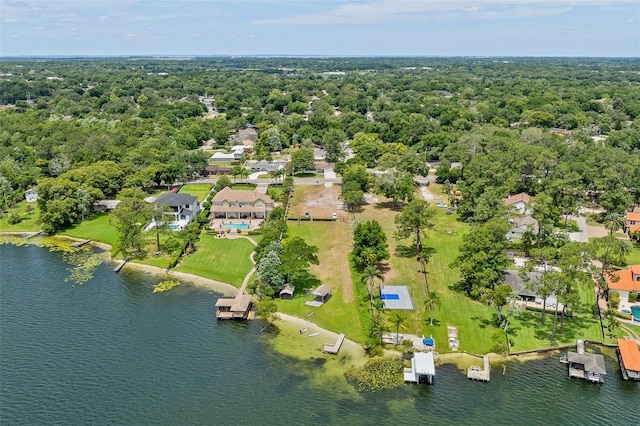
(564,358)
(309,314)
(314,334)
(303,330)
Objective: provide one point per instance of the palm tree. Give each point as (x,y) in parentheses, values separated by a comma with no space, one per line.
(613,222)
(430,303)
(399,320)
(370,273)
(423,257)
(369,255)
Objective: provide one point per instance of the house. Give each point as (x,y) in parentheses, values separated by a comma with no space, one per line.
(237,151)
(422,369)
(287,291)
(625,282)
(31,195)
(105,206)
(629,358)
(234,308)
(526,288)
(520,225)
(631,223)
(265,166)
(246,136)
(237,204)
(183,207)
(583,365)
(215,169)
(320,166)
(520,202)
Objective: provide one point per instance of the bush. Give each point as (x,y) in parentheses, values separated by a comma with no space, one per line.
(614,299)
(633,297)
(621,315)
(13,218)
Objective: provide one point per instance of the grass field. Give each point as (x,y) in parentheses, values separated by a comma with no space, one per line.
(221,259)
(476,322)
(96,228)
(341,313)
(199,190)
(28,222)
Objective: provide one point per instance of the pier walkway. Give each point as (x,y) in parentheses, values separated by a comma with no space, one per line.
(481,374)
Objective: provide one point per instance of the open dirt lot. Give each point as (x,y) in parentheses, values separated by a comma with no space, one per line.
(319,201)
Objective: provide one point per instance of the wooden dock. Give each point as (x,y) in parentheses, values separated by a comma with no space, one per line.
(329,348)
(121,264)
(481,374)
(35,234)
(80,243)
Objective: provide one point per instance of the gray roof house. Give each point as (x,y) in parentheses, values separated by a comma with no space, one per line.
(184,207)
(520,225)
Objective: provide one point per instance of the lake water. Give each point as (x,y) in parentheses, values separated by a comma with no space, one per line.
(112,352)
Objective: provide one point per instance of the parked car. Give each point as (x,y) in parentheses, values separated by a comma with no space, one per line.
(334,216)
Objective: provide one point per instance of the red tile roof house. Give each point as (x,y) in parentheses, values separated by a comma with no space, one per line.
(521,202)
(625,282)
(631,223)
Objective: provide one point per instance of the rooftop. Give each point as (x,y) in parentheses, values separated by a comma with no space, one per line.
(630,354)
(175,200)
(632,216)
(592,362)
(623,279)
(228,194)
(516,198)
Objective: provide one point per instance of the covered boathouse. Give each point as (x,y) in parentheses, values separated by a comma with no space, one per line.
(422,369)
(583,365)
(629,357)
(238,307)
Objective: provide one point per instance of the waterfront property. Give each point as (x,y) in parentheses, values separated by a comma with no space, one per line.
(422,370)
(184,208)
(627,283)
(583,365)
(396,297)
(526,289)
(238,204)
(234,308)
(629,358)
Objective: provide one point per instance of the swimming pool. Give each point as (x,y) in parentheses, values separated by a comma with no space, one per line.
(635,311)
(175,227)
(235,225)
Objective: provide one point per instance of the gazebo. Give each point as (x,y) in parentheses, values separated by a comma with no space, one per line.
(322,294)
(287,291)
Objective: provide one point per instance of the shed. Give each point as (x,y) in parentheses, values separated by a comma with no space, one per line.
(31,195)
(105,206)
(287,291)
(322,293)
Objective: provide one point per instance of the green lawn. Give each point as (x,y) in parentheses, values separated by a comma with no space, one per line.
(199,190)
(28,222)
(244,186)
(634,256)
(221,259)
(96,228)
(341,313)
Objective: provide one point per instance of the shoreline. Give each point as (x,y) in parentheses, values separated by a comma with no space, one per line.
(356,351)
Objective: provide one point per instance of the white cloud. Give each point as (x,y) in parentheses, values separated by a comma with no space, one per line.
(380,11)
(10,20)
(103,17)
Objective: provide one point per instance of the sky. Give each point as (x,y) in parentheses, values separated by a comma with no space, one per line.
(605,28)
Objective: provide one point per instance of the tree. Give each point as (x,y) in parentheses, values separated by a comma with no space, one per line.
(368,236)
(616,201)
(423,257)
(415,218)
(268,268)
(394,184)
(498,297)
(266,310)
(369,274)
(129,218)
(612,322)
(332,143)
(302,160)
(430,303)
(353,196)
(296,257)
(613,222)
(161,219)
(483,256)
(223,182)
(399,321)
